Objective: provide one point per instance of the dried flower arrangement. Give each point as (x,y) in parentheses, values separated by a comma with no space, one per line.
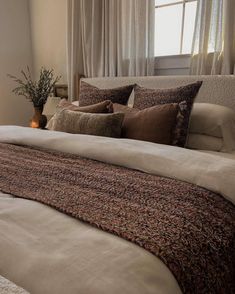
(36,91)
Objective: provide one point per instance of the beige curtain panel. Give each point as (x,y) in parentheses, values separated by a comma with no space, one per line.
(213,50)
(110,38)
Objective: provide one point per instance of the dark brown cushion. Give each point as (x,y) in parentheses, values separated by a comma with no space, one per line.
(91,95)
(184,96)
(154,124)
(76,122)
(102,107)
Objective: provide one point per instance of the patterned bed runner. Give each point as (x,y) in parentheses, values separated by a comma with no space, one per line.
(7,287)
(191,229)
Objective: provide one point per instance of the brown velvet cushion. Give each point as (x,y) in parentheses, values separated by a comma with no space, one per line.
(154,124)
(184,96)
(91,95)
(75,122)
(102,107)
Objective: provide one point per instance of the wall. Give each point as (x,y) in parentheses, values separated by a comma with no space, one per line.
(15,54)
(48,26)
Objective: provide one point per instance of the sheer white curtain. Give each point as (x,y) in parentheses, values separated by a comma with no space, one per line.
(110,38)
(213,49)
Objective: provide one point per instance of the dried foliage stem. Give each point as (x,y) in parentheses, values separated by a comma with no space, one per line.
(36,91)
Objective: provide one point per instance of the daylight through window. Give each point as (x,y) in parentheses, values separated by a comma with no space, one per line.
(174,26)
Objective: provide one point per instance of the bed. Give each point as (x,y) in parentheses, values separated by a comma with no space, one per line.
(45,248)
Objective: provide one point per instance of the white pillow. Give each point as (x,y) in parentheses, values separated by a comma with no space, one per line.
(204,142)
(50,107)
(216,121)
(75,103)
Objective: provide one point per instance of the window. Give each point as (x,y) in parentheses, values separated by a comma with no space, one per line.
(174,26)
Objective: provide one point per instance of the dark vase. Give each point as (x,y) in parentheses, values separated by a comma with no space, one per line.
(38,120)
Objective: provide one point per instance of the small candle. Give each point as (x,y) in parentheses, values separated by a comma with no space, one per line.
(34,124)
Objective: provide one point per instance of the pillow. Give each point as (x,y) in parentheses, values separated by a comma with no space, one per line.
(102,107)
(214,120)
(49,108)
(184,96)
(204,142)
(90,94)
(75,103)
(75,122)
(154,124)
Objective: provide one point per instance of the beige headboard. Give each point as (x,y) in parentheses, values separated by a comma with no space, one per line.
(215,89)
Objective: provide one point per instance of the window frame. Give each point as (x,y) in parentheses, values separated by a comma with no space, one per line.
(182,22)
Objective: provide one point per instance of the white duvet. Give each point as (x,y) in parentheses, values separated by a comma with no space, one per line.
(45,251)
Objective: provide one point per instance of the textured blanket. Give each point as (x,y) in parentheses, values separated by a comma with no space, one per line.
(7,287)
(192,230)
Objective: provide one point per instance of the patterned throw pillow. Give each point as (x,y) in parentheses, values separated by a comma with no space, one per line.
(154,124)
(75,122)
(184,96)
(91,95)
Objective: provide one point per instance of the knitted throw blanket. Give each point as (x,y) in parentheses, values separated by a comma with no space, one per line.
(191,229)
(7,287)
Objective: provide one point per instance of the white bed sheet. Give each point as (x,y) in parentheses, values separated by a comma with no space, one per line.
(47,252)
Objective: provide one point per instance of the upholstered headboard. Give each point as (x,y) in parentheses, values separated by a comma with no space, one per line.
(215,89)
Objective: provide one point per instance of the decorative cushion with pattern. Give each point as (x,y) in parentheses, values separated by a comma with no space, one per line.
(183,95)
(91,95)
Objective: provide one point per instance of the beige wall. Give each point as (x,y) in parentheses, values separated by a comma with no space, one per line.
(15,54)
(48,25)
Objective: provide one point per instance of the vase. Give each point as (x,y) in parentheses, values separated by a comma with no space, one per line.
(38,120)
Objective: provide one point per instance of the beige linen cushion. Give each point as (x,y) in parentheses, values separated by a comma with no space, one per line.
(204,142)
(216,121)
(106,125)
(49,108)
